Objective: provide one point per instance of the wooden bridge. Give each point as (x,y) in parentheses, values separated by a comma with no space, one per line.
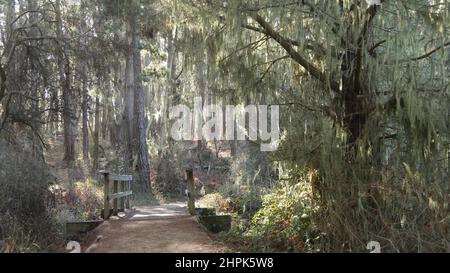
(148,229)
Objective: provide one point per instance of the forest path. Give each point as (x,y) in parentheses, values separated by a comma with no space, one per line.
(152,229)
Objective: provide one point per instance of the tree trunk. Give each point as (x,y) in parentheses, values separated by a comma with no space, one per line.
(35,77)
(64,78)
(106,109)
(114,126)
(167,92)
(354,89)
(84,92)
(84,108)
(139,104)
(96,134)
(128,115)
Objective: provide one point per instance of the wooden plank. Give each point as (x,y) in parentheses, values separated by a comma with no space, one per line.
(106,207)
(121,177)
(118,195)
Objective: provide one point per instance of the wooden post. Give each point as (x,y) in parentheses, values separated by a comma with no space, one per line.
(106,208)
(128,197)
(191,191)
(115,202)
(122,200)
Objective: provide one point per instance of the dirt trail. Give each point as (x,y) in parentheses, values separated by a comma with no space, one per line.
(159,229)
(153,229)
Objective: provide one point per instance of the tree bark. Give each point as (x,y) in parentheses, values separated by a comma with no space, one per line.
(85,95)
(84,109)
(64,79)
(139,103)
(128,115)
(96,134)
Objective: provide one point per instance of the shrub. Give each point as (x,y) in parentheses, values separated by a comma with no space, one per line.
(243,200)
(285,221)
(26,223)
(82,201)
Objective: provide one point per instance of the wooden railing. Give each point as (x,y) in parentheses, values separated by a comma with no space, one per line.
(119,193)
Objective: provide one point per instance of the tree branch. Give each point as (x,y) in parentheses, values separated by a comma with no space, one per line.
(372,49)
(309,45)
(288,46)
(249,27)
(270,66)
(426,55)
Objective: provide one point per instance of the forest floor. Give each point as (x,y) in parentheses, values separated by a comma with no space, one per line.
(54,157)
(152,229)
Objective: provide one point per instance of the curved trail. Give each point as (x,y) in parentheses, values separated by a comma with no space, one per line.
(157,229)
